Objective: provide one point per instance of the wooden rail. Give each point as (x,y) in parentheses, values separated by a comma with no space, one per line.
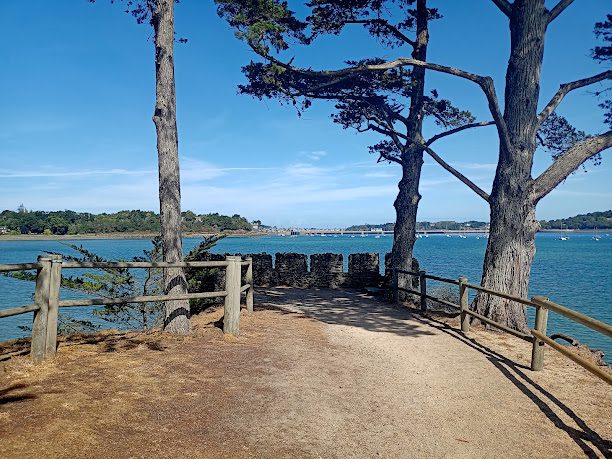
(19,267)
(537,335)
(138,299)
(19,310)
(596,370)
(144,264)
(47,294)
(576,316)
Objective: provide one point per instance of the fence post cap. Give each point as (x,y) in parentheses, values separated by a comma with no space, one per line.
(233,258)
(539,298)
(43,257)
(463,279)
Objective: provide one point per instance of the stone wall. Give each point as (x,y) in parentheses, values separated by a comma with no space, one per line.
(326,270)
(364,269)
(263,270)
(291,269)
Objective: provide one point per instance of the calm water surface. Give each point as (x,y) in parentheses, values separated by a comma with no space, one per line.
(576,273)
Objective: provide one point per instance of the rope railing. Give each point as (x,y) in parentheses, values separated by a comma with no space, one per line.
(537,335)
(48,282)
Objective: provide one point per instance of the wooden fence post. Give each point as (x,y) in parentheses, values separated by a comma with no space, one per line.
(394,286)
(231,313)
(463,302)
(249,280)
(55,279)
(38,345)
(423,285)
(541,323)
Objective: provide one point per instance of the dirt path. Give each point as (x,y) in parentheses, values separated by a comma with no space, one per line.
(335,374)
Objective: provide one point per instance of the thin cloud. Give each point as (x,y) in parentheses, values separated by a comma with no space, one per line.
(77,173)
(477,166)
(316,155)
(380,175)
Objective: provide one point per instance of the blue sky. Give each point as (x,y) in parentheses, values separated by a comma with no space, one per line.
(78,95)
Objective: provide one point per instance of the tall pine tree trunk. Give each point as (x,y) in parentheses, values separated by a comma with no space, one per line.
(407,201)
(511,245)
(406,206)
(176,312)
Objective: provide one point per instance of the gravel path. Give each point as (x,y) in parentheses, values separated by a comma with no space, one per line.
(402,386)
(314,373)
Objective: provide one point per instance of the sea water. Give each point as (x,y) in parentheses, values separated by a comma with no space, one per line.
(575,273)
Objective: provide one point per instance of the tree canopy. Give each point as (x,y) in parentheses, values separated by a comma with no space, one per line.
(71,222)
(373,101)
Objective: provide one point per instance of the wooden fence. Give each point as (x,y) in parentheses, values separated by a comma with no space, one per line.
(537,335)
(47,294)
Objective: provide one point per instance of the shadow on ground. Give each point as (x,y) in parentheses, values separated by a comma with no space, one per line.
(542,398)
(13,394)
(342,307)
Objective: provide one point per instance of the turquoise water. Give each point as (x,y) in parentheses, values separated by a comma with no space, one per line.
(575,273)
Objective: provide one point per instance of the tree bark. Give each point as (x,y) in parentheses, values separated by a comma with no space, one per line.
(406,206)
(176,312)
(511,245)
(407,201)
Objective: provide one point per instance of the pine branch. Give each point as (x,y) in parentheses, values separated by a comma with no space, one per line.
(569,161)
(566,88)
(484,82)
(504,6)
(458,129)
(394,30)
(471,185)
(558,9)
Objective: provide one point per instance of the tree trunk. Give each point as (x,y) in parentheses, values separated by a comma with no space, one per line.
(406,206)
(407,201)
(176,312)
(511,245)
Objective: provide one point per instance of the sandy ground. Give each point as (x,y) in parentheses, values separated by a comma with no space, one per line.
(329,374)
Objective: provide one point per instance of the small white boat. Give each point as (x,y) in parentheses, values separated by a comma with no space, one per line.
(596,237)
(563,237)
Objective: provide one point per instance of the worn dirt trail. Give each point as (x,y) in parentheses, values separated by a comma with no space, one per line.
(330,374)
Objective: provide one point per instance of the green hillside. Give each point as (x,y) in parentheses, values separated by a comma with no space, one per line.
(70,222)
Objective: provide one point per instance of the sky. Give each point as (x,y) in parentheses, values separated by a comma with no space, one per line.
(78,90)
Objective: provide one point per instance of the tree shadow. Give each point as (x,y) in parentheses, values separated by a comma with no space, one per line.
(541,397)
(342,307)
(115,342)
(7,396)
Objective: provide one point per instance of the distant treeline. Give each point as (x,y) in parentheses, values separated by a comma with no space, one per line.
(443,225)
(601,220)
(70,222)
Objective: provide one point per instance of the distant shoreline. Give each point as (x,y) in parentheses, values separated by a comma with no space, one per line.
(145,235)
(130,235)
